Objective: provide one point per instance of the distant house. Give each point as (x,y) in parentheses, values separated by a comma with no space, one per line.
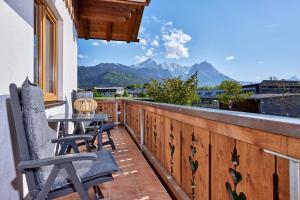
(110,91)
(284,104)
(274,97)
(274,86)
(136,92)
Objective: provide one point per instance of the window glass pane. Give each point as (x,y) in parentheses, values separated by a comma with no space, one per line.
(49,87)
(36,44)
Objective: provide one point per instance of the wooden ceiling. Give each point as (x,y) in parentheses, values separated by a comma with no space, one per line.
(110,19)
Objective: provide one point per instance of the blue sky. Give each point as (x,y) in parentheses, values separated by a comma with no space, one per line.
(247,40)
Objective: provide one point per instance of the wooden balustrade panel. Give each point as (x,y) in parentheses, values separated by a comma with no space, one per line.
(148,130)
(161,141)
(195,161)
(137,122)
(178,141)
(221,148)
(283,178)
(154,134)
(173,148)
(108,108)
(257,169)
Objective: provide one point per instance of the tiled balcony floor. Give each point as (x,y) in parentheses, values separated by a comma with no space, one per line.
(136,181)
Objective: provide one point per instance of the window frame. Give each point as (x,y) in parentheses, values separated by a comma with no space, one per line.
(44,12)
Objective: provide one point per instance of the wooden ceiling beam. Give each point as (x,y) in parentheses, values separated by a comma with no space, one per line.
(94,13)
(110,20)
(128,2)
(109,30)
(87,29)
(137,22)
(130,28)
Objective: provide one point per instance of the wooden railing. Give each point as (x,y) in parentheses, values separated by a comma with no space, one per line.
(213,154)
(114,108)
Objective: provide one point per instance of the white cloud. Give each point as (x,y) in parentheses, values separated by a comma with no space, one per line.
(169,23)
(95,44)
(143,42)
(230,58)
(150,52)
(155,19)
(112,43)
(140,58)
(174,43)
(155,43)
(82,56)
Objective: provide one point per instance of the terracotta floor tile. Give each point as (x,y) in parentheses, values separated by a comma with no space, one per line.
(136,180)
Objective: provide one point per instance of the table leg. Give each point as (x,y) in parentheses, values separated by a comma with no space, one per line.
(100,139)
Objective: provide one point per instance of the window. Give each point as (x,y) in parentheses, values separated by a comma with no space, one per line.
(45,50)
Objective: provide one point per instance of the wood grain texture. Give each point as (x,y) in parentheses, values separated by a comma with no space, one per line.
(108,20)
(257,169)
(215,142)
(221,148)
(293,147)
(201,144)
(173,139)
(283,178)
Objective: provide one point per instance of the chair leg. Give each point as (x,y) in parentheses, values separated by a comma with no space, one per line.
(80,189)
(98,193)
(112,144)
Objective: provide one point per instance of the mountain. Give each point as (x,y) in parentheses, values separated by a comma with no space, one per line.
(115,74)
(176,69)
(152,70)
(207,74)
(108,74)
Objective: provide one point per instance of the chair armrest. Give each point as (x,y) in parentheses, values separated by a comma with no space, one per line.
(32,164)
(72,138)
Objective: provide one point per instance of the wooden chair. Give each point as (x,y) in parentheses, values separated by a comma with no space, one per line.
(89,127)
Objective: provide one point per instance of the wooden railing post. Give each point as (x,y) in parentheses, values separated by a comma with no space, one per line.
(124,112)
(117,113)
(142,126)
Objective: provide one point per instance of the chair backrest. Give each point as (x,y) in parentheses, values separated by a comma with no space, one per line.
(80,95)
(33,132)
(15,101)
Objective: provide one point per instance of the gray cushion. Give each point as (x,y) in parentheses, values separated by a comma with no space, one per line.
(39,136)
(37,131)
(82,95)
(104,165)
(107,127)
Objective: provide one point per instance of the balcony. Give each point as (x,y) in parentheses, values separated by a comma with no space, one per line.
(199,153)
(136,180)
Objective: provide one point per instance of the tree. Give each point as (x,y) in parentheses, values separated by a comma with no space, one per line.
(96,93)
(126,94)
(142,95)
(174,90)
(232,93)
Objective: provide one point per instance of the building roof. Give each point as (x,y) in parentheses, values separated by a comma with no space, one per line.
(104,88)
(108,19)
(265,96)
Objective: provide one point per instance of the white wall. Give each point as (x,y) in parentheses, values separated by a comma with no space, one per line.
(16,42)
(16,62)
